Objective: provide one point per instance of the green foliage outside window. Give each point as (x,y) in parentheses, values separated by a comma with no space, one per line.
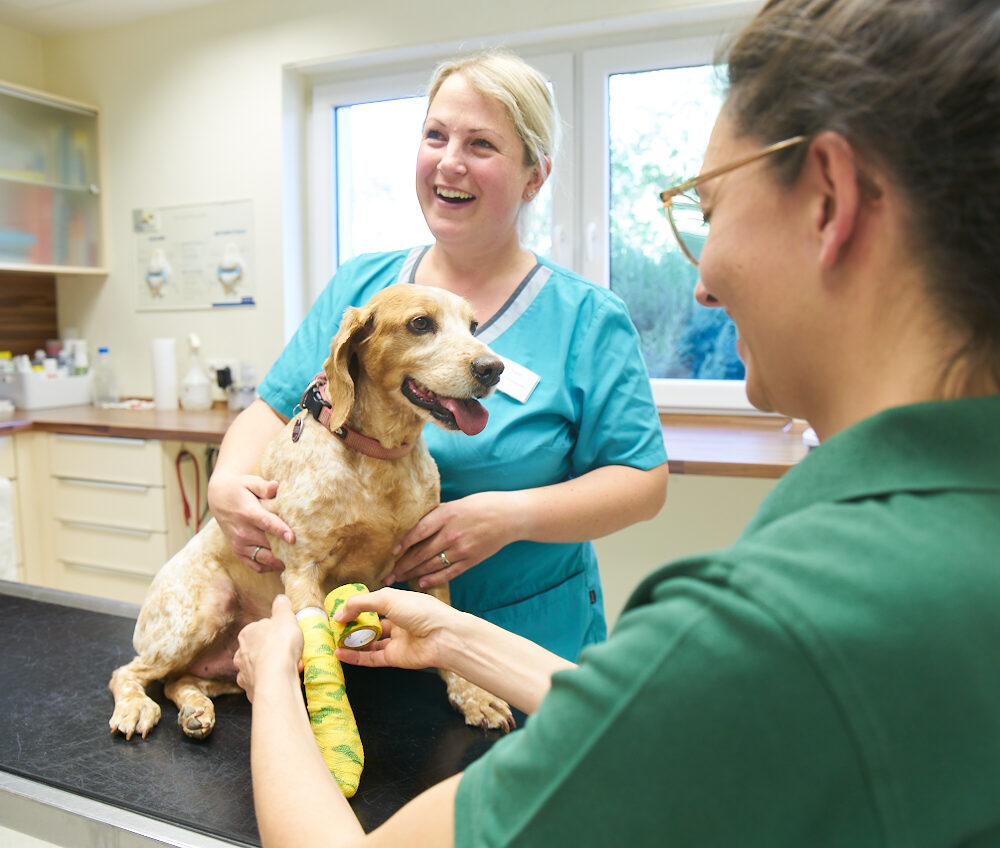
(659,123)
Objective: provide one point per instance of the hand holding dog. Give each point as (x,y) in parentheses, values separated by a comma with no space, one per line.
(467,531)
(235,502)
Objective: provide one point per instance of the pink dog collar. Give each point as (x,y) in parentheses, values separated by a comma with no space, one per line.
(316,400)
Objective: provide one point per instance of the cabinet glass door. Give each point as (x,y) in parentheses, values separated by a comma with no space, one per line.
(50,204)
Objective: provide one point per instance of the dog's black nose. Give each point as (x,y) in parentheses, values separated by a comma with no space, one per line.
(487,370)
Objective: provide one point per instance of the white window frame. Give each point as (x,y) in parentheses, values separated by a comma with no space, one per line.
(577,60)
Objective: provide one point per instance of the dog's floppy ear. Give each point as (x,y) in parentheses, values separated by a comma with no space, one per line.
(355,327)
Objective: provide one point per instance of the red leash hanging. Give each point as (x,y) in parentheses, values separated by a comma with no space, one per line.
(186,454)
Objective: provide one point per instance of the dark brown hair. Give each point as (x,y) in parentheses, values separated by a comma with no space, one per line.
(914,86)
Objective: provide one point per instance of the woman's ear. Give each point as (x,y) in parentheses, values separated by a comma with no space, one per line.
(539,174)
(839,210)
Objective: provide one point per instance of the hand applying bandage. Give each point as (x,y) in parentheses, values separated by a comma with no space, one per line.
(330,713)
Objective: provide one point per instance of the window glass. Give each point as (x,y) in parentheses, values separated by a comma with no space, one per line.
(375,152)
(659,122)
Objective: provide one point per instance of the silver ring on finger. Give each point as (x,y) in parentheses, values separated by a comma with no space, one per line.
(256,551)
(444,559)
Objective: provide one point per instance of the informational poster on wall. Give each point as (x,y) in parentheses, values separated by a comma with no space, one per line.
(194,257)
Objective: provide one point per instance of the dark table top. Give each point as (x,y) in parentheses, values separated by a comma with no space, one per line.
(55,662)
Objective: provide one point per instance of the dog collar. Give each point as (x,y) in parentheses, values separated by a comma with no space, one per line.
(316,402)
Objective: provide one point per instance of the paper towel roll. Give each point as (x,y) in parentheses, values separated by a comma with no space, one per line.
(164,374)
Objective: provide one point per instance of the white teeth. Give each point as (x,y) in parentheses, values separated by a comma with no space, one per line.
(451,194)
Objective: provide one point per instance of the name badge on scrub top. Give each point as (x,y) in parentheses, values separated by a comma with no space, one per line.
(516,381)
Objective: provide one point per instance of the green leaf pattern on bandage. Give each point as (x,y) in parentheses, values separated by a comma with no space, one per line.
(348,752)
(336,716)
(312,673)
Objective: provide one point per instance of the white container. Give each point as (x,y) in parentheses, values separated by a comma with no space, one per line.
(35,390)
(105,379)
(196,391)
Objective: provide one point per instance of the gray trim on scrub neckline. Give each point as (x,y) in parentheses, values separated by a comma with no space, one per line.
(516,305)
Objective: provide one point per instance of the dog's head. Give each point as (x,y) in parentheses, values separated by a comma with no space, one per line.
(414,346)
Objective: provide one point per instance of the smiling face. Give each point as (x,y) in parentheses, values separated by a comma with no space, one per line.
(407,356)
(752,266)
(471,175)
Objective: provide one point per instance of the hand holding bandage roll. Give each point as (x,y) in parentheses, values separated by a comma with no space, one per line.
(330,713)
(363,630)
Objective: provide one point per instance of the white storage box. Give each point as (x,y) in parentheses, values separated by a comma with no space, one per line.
(40,391)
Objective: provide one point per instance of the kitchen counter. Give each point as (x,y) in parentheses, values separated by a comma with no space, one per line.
(724,445)
(65,779)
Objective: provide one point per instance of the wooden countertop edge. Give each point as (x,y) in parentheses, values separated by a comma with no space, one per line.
(748,446)
(124,431)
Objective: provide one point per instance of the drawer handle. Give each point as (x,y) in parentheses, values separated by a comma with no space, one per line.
(104,569)
(103,484)
(105,528)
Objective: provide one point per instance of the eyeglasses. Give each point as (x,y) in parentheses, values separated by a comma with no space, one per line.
(683,206)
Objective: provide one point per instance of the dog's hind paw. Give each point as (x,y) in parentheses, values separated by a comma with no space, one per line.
(196,722)
(480,708)
(495,715)
(135,715)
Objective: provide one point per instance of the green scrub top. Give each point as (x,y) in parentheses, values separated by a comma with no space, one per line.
(829,680)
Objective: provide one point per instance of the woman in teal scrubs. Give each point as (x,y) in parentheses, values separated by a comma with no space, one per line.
(573,449)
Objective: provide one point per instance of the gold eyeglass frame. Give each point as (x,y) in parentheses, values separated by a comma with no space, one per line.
(669,194)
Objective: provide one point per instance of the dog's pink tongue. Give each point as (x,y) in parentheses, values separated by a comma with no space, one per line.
(470,415)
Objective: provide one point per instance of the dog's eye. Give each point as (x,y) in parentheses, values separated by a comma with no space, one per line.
(473,327)
(421,324)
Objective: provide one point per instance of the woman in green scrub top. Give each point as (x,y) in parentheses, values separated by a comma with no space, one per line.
(572,426)
(832,678)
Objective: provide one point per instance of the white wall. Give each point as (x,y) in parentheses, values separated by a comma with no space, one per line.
(21,58)
(701,514)
(192,113)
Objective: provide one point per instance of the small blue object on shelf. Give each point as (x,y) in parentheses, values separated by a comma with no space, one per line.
(16,245)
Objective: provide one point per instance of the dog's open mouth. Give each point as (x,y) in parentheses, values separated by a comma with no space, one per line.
(465,414)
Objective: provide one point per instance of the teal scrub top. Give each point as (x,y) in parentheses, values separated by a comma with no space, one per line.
(829,680)
(592,406)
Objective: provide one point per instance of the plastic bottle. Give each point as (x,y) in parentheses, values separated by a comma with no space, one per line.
(196,391)
(105,379)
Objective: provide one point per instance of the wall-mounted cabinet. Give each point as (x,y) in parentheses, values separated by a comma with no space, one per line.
(51,197)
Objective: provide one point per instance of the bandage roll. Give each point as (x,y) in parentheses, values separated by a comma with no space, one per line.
(363,630)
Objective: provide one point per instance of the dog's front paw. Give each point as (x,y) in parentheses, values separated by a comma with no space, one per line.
(196,721)
(135,715)
(480,708)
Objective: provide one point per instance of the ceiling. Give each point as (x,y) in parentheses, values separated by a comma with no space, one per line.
(55,17)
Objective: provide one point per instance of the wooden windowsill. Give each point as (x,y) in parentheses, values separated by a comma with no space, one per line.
(732,445)
(724,445)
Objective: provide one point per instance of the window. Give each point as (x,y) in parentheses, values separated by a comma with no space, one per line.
(636,118)
(658,124)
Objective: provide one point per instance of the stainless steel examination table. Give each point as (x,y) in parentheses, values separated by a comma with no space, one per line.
(65,779)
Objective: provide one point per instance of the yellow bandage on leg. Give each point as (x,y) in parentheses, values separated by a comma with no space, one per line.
(330,713)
